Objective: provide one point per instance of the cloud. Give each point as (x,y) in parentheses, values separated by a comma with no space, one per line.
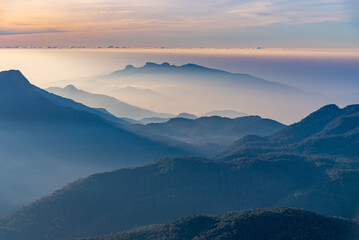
(259,13)
(27,32)
(127,19)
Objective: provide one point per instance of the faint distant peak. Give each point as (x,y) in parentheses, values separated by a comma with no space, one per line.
(129,67)
(70,88)
(193,66)
(165,64)
(186,115)
(226,113)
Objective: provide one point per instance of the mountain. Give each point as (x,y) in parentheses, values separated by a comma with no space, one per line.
(268,224)
(103,113)
(208,133)
(187,116)
(258,172)
(330,132)
(198,89)
(113,105)
(225,113)
(163,120)
(163,191)
(153,120)
(47,141)
(13,80)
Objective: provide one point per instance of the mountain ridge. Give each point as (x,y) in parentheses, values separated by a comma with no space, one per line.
(191,68)
(330,125)
(49,140)
(198,85)
(119,108)
(158,192)
(260,175)
(209,133)
(269,224)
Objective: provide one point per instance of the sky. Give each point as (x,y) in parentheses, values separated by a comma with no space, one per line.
(181,23)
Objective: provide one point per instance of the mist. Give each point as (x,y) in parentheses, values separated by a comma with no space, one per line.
(328,74)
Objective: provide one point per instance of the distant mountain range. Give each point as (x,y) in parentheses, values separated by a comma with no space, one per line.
(219,113)
(127,112)
(116,107)
(208,133)
(164,120)
(47,141)
(197,89)
(186,116)
(225,113)
(266,224)
(312,164)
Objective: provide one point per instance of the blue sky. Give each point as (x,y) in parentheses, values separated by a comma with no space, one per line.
(181,23)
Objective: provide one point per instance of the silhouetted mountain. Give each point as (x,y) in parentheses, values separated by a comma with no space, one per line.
(208,133)
(47,141)
(225,113)
(20,96)
(194,69)
(330,132)
(151,67)
(116,107)
(266,224)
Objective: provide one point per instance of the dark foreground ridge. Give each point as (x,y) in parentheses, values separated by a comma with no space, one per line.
(266,224)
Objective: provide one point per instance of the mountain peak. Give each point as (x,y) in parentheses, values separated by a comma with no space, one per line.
(186,115)
(12,75)
(129,67)
(192,65)
(329,107)
(12,71)
(71,88)
(167,67)
(165,64)
(151,64)
(156,65)
(309,126)
(324,112)
(13,80)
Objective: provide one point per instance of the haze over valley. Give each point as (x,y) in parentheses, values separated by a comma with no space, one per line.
(301,69)
(179,120)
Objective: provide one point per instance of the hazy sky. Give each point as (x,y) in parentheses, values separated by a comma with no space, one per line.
(181,23)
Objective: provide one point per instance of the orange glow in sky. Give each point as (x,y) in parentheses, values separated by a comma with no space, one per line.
(175,23)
